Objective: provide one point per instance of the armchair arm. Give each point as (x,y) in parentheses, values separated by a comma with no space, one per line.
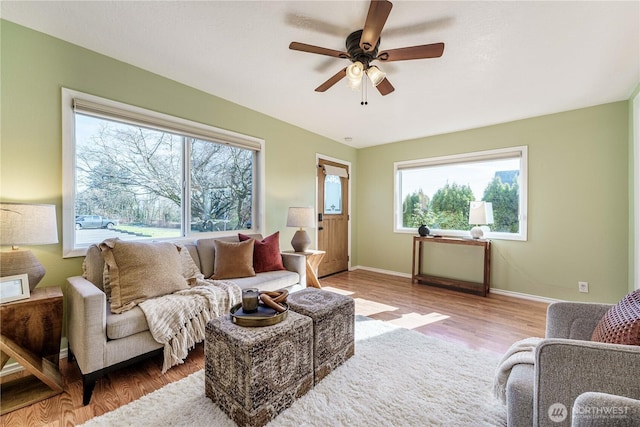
(574,320)
(605,410)
(564,369)
(296,263)
(87,320)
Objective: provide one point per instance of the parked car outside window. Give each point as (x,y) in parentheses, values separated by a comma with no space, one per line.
(94,221)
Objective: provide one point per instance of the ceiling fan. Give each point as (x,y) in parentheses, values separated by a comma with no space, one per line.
(362,48)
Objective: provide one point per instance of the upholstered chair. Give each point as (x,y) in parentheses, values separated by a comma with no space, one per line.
(572,372)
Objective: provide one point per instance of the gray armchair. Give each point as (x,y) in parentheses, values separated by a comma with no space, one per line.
(569,366)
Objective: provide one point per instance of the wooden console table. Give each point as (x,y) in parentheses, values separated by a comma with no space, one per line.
(481,288)
(31,332)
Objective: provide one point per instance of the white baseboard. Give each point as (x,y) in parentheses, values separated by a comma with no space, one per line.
(379,270)
(493,290)
(523,296)
(15,367)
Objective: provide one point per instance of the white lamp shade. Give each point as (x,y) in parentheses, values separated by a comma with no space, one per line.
(355,70)
(480,213)
(375,75)
(27,224)
(301,217)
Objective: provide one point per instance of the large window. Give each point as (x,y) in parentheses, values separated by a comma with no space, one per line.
(437,192)
(136,174)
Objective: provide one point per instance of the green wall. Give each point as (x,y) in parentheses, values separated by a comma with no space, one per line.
(34,69)
(578,204)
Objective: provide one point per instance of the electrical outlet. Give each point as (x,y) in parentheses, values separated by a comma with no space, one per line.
(583,286)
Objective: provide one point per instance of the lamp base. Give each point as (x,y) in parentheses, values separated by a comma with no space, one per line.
(22,261)
(476,232)
(300,241)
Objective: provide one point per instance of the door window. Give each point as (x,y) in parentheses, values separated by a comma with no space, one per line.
(332,195)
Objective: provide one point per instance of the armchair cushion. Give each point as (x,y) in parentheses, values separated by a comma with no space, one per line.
(139,271)
(621,324)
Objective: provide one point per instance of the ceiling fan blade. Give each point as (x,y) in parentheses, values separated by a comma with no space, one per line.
(333,80)
(424,51)
(385,87)
(378,13)
(302,47)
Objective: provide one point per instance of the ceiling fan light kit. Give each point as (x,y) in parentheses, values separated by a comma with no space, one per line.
(354,71)
(376,75)
(362,48)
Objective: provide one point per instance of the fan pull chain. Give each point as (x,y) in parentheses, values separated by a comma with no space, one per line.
(364,92)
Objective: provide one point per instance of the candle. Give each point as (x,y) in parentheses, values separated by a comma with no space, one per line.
(250,300)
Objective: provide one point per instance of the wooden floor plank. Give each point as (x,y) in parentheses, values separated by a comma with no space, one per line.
(489,323)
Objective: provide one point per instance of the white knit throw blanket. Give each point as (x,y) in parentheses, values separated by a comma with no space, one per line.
(178,320)
(520,352)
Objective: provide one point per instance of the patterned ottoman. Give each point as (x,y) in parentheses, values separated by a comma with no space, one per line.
(253,374)
(333,323)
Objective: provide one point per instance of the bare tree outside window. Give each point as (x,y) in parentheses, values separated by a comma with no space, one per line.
(135,175)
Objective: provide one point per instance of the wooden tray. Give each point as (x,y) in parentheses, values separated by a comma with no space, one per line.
(265,316)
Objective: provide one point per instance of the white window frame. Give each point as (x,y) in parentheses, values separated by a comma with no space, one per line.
(161,121)
(520,151)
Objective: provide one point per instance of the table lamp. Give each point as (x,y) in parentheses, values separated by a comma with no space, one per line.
(25,224)
(300,217)
(480,213)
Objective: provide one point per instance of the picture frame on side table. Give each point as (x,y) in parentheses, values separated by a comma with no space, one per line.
(14,288)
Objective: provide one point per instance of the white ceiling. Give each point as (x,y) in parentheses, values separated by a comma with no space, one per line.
(503,61)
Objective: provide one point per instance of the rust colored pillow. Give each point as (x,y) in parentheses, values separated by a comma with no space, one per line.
(621,324)
(266,253)
(233,260)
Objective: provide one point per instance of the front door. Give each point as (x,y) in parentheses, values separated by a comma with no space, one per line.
(333,216)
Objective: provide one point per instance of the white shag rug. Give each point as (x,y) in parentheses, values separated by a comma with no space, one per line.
(397,377)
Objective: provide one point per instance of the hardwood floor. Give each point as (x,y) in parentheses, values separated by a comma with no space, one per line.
(491,324)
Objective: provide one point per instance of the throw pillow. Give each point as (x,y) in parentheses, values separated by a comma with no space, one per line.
(141,270)
(233,260)
(190,270)
(266,252)
(621,324)
(106,282)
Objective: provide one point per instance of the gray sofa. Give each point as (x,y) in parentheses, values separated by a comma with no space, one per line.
(572,371)
(101,341)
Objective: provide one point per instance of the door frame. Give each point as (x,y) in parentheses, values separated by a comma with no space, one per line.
(320,156)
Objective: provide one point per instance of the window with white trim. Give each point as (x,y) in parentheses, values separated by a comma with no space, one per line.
(137,174)
(437,192)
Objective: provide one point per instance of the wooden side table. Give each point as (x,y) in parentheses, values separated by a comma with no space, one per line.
(314,258)
(31,332)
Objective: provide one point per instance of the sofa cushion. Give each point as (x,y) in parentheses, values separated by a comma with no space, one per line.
(269,281)
(233,259)
(266,253)
(125,324)
(621,324)
(141,270)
